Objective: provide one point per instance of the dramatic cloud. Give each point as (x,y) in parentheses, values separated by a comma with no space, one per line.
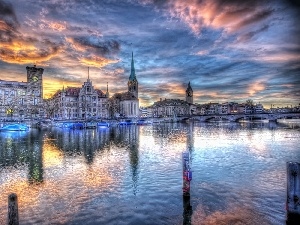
(94,45)
(218,14)
(96,61)
(230,50)
(23,50)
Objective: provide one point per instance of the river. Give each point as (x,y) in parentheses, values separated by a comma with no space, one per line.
(133,174)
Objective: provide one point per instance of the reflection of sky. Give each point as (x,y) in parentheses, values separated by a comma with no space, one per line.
(228,50)
(66,186)
(137,176)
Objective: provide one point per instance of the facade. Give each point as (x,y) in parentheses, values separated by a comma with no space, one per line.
(169,108)
(79,103)
(174,107)
(21,100)
(126,104)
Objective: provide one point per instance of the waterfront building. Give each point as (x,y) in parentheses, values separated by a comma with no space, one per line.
(84,103)
(258,108)
(19,100)
(143,112)
(169,108)
(126,104)
(174,107)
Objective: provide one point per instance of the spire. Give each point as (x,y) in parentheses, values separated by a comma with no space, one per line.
(189,86)
(88,73)
(132,73)
(107,93)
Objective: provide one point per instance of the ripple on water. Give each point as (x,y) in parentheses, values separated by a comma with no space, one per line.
(133,175)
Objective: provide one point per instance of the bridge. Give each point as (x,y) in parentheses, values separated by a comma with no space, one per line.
(232,117)
(248,117)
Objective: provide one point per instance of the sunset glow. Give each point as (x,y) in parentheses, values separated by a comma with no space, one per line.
(228,50)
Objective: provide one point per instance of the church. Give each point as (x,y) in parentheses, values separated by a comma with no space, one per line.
(126,104)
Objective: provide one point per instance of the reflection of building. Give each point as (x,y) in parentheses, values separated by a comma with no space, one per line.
(134,155)
(22,99)
(35,159)
(126,104)
(80,103)
(27,151)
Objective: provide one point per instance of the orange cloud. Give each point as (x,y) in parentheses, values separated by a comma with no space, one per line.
(25,54)
(4,26)
(97,61)
(57,26)
(25,49)
(75,45)
(51,85)
(256,87)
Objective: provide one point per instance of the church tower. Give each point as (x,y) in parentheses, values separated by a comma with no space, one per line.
(132,82)
(189,94)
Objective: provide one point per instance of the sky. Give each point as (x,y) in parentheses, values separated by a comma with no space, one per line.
(229,50)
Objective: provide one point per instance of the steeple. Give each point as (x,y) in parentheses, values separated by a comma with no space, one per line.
(132,73)
(88,74)
(107,93)
(132,82)
(189,87)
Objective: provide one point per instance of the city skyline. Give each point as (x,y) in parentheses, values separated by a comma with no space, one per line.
(228,50)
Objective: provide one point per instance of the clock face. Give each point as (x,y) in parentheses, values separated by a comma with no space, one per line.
(35,78)
(189,93)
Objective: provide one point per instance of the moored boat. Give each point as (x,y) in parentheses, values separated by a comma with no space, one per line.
(14,127)
(103,124)
(126,122)
(90,125)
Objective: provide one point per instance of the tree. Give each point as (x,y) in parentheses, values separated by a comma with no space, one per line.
(249,106)
(250,103)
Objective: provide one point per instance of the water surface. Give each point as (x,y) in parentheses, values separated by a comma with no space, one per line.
(132,174)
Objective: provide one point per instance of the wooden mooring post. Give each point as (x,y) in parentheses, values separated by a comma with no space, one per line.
(186,173)
(293,193)
(13,215)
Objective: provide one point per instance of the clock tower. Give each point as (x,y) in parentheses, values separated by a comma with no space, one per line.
(34,85)
(189,94)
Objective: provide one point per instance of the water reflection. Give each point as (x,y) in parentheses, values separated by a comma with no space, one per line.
(71,175)
(23,148)
(134,155)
